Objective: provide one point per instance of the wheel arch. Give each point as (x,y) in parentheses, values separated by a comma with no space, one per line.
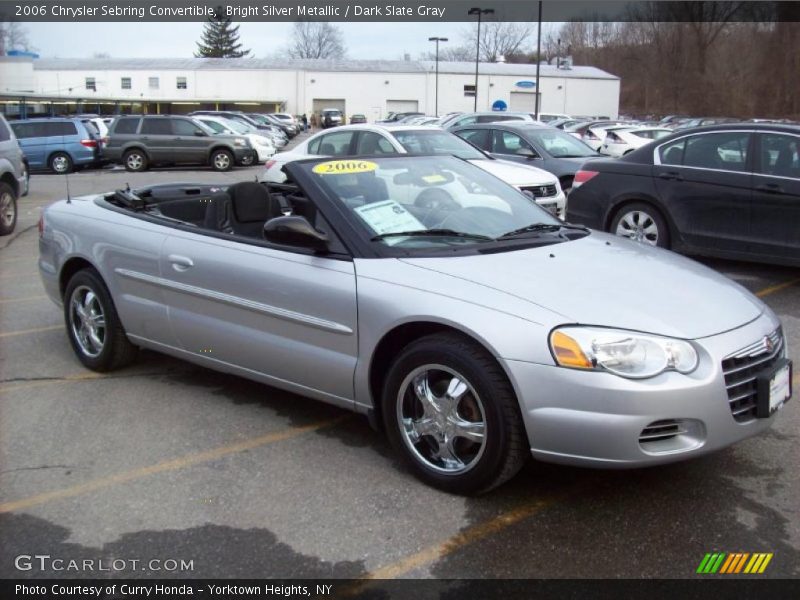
(69,268)
(8,177)
(216,147)
(399,337)
(140,147)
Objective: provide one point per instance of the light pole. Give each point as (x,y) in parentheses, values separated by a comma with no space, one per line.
(437,40)
(480,12)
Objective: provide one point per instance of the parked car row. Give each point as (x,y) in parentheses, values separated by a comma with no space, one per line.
(14,177)
(220,139)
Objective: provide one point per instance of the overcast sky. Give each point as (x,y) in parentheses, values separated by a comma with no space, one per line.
(177,40)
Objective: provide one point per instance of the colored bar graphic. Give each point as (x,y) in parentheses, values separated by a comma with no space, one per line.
(735,562)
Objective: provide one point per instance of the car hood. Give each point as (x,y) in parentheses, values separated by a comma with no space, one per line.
(608,281)
(515,174)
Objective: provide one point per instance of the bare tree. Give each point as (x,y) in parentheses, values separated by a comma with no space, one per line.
(499,39)
(316,40)
(13,36)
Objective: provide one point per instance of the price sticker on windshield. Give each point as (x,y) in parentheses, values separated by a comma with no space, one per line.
(344,167)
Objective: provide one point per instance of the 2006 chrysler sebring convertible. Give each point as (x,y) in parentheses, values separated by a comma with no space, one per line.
(469,323)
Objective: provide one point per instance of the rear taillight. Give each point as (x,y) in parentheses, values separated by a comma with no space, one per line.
(269,164)
(40,225)
(582,177)
(89,143)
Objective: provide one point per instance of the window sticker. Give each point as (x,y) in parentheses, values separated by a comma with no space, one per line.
(388,217)
(436,178)
(341,167)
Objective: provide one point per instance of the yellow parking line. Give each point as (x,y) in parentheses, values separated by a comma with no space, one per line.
(24,299)
(6,334)
(162,467)
(468,536)
(777,288)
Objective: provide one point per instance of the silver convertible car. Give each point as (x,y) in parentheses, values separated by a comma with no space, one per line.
(468,323)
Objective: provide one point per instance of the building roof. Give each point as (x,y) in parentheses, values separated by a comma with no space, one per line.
(379,66)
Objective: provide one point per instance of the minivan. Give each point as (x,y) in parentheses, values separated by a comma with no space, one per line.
(58,144)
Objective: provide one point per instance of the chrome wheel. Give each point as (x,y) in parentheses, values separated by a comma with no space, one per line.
(60,164)
(87,321)
(222,162)
(441,419)
(638,226)
(134,162)
(8,209)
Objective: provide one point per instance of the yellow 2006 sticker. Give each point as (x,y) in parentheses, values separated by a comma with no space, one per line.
(342,167)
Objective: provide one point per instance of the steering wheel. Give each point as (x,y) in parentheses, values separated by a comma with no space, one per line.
(436,199)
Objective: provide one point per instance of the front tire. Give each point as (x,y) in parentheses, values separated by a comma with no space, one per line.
(643,223)
(221,160)
(93,326)
(451,413)
(8,208)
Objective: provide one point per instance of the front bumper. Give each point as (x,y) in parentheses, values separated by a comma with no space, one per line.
(555,205)
(264,152)
(596,419)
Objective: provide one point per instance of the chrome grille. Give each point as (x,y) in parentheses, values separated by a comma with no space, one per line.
(541,191)
(741,370)
(661,430)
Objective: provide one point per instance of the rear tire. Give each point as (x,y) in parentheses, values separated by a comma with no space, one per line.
(93,326)
(643,223)
(60,163)
(451,413)
(135,161)
(8,208)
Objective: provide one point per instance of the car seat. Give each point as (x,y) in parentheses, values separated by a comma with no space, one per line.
(251,207)
(327,148)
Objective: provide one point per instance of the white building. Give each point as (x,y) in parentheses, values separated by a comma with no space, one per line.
(372,88)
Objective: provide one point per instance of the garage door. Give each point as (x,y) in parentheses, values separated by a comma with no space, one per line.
(319,104)
(400,106)
(524,102)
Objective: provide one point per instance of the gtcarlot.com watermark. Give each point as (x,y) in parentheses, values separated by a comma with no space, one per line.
(51,564)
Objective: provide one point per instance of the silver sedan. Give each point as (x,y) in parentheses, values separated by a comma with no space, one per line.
(465,321)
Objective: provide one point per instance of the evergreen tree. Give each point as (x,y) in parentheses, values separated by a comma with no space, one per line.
(220,40)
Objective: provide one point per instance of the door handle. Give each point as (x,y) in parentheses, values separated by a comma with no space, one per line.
(770,188)
(673,175)
(180,263)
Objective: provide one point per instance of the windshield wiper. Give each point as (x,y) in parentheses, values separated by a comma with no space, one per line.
(432,232)
(541,228)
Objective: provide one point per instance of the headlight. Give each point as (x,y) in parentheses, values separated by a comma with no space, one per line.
(624,353)
(262,140)
(240,142)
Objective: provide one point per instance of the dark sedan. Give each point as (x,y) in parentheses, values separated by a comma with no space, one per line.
(728,190)
(545,147)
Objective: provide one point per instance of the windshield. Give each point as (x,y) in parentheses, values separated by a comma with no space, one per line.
(213,125)
(423,202)
(559,144)
(436,142)
(239,127)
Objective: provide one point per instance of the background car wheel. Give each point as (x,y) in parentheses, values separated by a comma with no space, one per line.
(26,173)
(8,209)
(60,163)
(221,160)
(450,411)
(642,223)
(93,326)
(135,161)
(248,160)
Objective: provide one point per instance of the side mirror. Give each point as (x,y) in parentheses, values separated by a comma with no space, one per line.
(200,134)
(526,152)
(295,231)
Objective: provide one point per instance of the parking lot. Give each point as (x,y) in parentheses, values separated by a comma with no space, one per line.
(167,461)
